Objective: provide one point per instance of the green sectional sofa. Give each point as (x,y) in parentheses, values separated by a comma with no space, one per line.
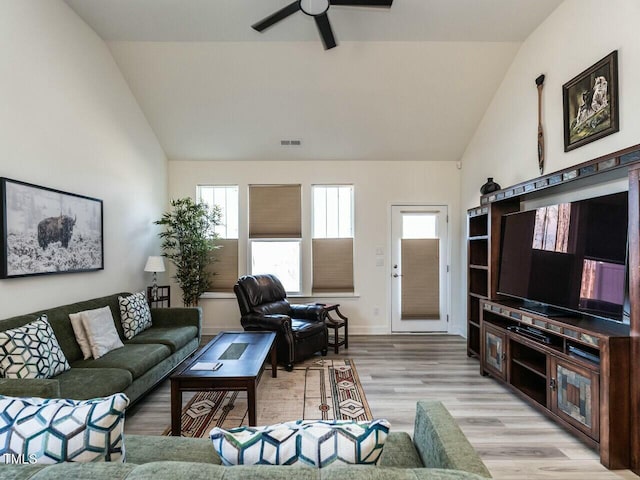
(438,451)
(136,368)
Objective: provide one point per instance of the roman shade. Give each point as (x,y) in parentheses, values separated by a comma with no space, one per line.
(420,279)
(225,266)
(275,211)
(332,265)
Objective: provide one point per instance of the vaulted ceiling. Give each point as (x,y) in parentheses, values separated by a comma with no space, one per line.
(408,83)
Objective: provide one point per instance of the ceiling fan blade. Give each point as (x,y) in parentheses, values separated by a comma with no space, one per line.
(362,3)
(277,16)
(326,33)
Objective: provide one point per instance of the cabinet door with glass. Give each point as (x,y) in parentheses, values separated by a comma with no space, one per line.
(494,352)
(575,395)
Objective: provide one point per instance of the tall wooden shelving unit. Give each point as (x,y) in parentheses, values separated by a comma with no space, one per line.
(529,368)
(483,224)
(477,273)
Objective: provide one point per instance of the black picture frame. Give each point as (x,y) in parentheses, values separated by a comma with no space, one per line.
(590,105)
(44,231)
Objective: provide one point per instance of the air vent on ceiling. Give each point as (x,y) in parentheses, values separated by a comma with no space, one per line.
(290,143)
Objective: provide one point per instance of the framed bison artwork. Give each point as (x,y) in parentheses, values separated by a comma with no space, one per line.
(45,231)
(590,103)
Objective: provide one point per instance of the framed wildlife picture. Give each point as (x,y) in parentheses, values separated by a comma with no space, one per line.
(590,103)
(45,231)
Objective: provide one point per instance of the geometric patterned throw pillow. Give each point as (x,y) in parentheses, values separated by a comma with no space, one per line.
(31,351)
(135,314)
(54,430)
(313,443)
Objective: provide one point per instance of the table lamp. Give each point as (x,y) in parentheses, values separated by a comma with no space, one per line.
(155,265)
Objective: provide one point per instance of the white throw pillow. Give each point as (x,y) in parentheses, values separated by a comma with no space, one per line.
(101,331)
(134,314)
(312,443)
(31,351)
(80,333)
(49,431)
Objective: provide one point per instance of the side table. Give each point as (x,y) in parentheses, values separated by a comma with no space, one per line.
(163,297)
(336,324)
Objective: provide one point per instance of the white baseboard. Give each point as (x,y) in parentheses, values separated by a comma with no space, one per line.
(212,331)
(355,330)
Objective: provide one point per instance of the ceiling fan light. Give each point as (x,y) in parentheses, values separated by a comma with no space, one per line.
(314,8)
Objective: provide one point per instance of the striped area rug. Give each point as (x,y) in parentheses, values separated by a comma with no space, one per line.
(318,389)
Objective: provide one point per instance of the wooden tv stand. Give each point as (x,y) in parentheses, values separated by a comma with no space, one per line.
(588,395)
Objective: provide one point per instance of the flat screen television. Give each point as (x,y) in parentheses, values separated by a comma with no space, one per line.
(569,257)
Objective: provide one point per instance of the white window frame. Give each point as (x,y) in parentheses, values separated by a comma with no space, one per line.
(313,209)
(225,215)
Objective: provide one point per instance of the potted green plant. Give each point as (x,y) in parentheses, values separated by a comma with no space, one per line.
(188,240)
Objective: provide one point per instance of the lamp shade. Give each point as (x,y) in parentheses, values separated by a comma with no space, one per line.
(154,264)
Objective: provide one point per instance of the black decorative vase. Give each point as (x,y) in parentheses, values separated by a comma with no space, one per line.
(489,187)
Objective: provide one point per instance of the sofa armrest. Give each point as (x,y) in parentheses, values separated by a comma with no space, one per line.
(178,317)
(30,387)
(311,311)
(440,442)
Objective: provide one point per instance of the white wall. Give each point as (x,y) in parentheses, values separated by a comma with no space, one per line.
(69,121)
(377,186)
(574,37)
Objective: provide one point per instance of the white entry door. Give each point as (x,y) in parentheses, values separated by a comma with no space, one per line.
(419,268)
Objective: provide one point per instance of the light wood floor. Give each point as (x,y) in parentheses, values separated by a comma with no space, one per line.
(513,439)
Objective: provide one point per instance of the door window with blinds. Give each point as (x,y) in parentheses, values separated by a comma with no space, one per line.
(332,242)
(275,233)
(420,254)
(225,266)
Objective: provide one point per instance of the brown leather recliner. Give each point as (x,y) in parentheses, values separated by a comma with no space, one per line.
(300,329)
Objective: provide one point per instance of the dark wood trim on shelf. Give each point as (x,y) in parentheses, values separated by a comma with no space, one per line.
(495,232)
(622,158)
(634,293)
(477,211)
(478,295)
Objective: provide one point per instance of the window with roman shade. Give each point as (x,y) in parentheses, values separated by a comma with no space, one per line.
(275,211)
(332,243)
(275,233)
(224,260)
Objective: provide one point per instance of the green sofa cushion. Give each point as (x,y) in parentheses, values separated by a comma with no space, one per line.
(400,452)
(143,449)
(30,387)
(85,383)
(173,337)
(70,470)
(366,472)
(185,470)
(137,358)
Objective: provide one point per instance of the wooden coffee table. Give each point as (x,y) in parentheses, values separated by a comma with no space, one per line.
(242,355)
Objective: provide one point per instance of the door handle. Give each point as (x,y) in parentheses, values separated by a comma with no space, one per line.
(395,275)
(552,384)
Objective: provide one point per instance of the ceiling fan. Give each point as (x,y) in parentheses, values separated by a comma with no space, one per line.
(318,10)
